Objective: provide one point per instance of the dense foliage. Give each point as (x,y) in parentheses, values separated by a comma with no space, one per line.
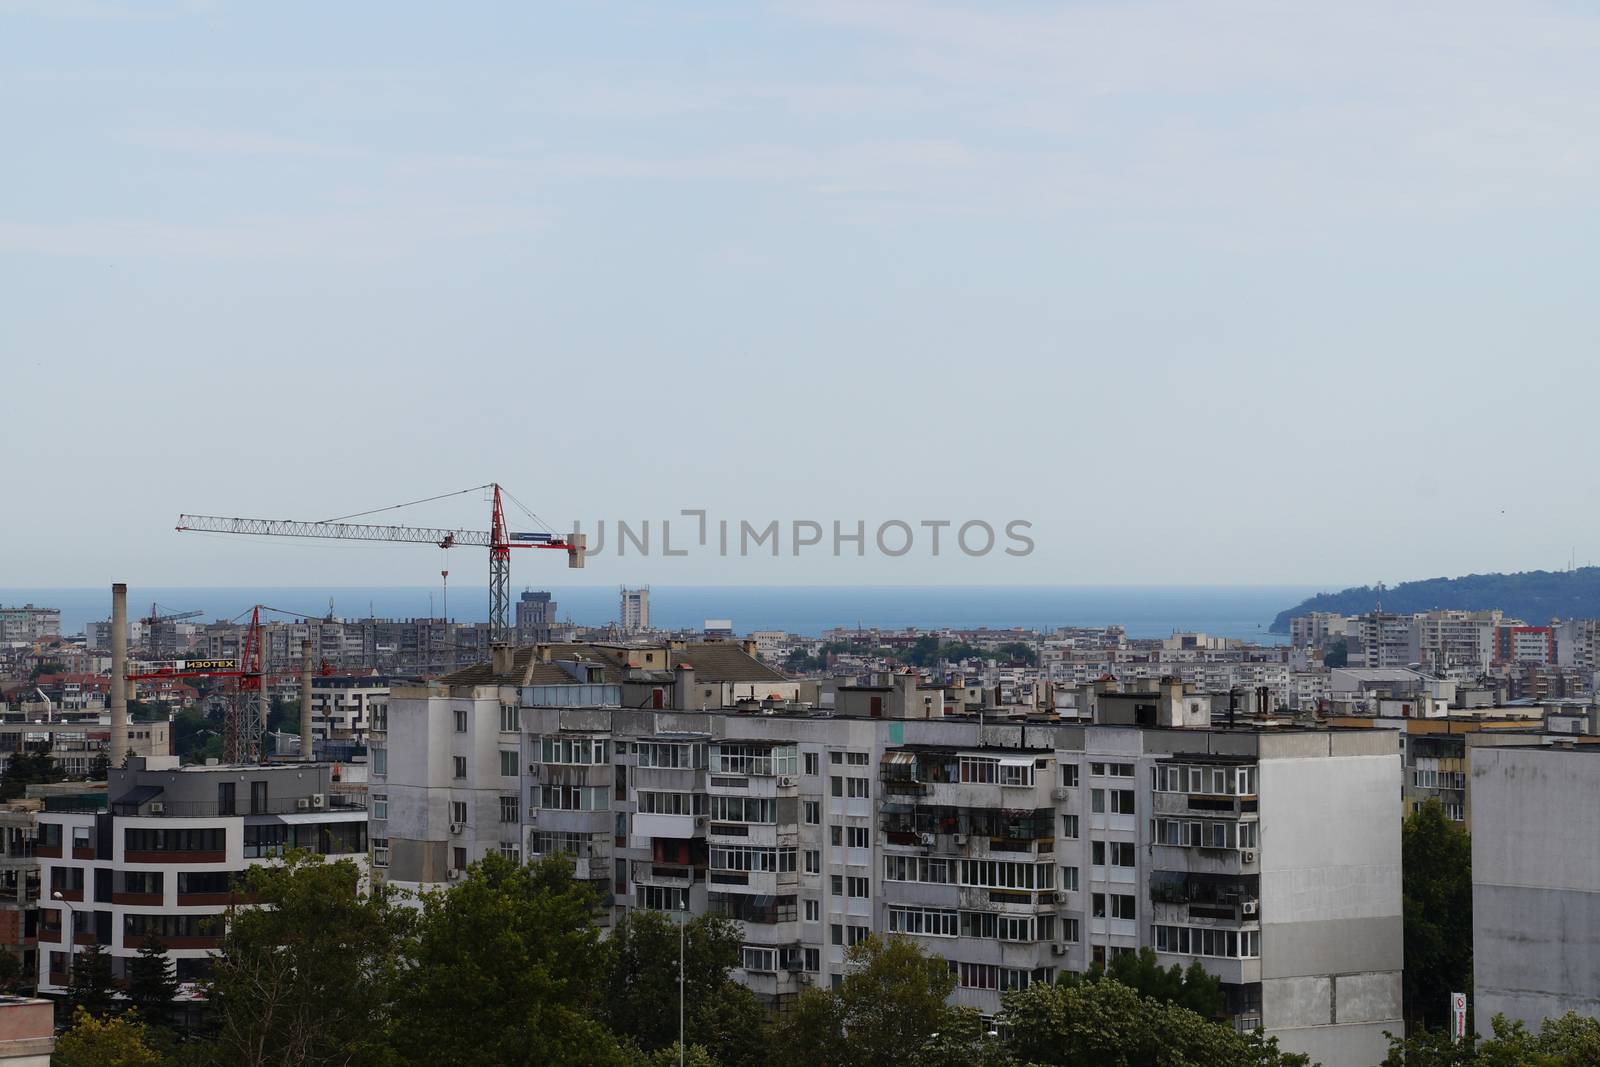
(1570,1041)
(1533,595)
(1436,858)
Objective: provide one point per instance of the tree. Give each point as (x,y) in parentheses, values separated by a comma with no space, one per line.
(890,1003)
(1105,1022)
(1436,865)
(641,988)
(1337,654)
(1194,989)
(1572,1040)
(152,983)
(14,978)
(1017,652)
(28,768)
(91,987)
(506,969)
(1430,1048)
(308,977)
(121,1041)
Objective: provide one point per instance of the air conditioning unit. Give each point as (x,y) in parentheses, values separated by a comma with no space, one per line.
(1060,792)
(319,800)
(1248,857)
(926,840)
(787,781)
(1058,950)
(1250,907)
(453,874)
(1060,897)
(532,816)
(961,839)
(456,828)
(533,770)
(701,820)
(302,804)
(156,807)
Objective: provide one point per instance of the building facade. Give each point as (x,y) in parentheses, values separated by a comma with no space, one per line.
(158,858)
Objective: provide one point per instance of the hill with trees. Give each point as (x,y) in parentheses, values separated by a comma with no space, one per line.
(1535,596)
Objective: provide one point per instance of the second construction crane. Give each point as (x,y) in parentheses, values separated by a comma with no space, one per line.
(498,539)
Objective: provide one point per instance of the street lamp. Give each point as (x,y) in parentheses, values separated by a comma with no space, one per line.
(69,933)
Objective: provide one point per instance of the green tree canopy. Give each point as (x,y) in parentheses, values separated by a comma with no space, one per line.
(506,969)
(1436,861)
(92,986)
(307,977)
(152,983)
(121,1041)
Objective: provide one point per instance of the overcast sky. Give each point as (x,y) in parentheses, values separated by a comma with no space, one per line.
(1208,293)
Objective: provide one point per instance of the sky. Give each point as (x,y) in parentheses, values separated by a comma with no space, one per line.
(1224,293)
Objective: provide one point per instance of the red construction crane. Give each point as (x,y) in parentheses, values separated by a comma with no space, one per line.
(497,539)
(242,728)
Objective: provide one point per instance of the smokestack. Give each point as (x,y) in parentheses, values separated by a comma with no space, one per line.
(119,675)
(305,701)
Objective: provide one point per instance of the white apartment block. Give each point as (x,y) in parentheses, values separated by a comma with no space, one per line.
(159,858)
(1015,849)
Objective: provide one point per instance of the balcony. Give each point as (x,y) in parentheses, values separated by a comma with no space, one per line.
(210,809)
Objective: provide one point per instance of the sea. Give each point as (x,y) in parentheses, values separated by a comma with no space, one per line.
(1144,611)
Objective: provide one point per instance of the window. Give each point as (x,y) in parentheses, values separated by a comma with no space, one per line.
(856,759)
(461,721)
(929,922)
(460,856)
(508,718)
(1069,879)
(511,852)
(756,958)
(508,763)
(858,887)
(380,760)
(1098,769)
(744,809)
(460,763)
(152,839)
(836,758)
(380,805)
(458,811)
(918,869)
(859,787)
(1097,801)
(836,934)
(813,861)
(980,769)
(380,852)
(857,934)
(1122,906)
(662,897)
(1226,944)
(671,756)
(812,812)
(1122,801)
(748,858)
(550,842)
(1097,905)
(1001,874)
(660,802)
(813,911)
(753,759)
(1097,853)
(576,751)
(859,836)
(812,763)
(508,809)
(836,835)
(1122,854)
(813,960)
(575,798)
(1069,930)
(1014,928)
(836,785)
(1015,773)
(1069,775)
(836,885)
(1069,827)
(1118,770)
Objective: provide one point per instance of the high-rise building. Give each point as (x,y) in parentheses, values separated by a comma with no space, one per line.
(29,623)
(536,615)
(635,610)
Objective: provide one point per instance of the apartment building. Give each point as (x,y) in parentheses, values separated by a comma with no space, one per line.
(1535,883)
(157,857)
(691,778)
(76,743)
(1015,849)
(633,611)
(447,762)
(344,707)
(1317,628)
(27,624)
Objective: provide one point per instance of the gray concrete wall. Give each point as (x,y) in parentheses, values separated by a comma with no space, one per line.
(1331,931)
(1535,883)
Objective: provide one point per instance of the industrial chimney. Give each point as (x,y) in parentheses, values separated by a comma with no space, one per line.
(305,701)
(119,675)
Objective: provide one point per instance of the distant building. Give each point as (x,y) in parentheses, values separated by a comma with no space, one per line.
(718,629)
(536,616)
(634,614)
(29,623)
(1535,883)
